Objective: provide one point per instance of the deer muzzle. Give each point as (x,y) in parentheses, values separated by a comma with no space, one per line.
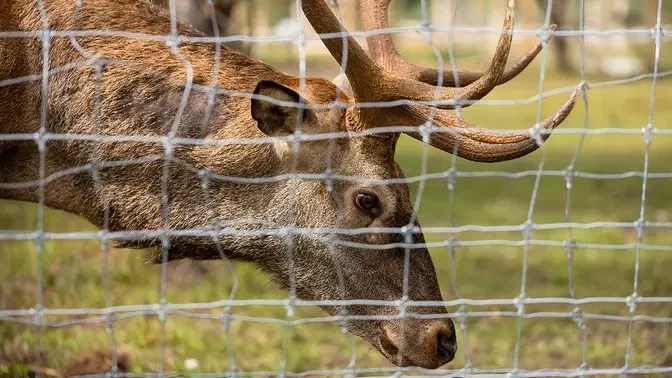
(419,342)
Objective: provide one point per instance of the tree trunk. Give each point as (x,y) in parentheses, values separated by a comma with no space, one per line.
(559,17)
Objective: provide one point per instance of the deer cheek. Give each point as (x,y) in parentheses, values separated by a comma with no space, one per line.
(353,218)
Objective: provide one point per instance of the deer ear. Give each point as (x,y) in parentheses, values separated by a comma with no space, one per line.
(275,119)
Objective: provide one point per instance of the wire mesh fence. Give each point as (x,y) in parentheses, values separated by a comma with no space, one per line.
(567,232)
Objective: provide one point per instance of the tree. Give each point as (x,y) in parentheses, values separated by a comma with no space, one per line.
(559,17)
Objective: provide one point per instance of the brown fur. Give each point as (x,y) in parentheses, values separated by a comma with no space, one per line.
(134,87)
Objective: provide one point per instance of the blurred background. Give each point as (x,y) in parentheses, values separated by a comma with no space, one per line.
(612,55)
(601,140)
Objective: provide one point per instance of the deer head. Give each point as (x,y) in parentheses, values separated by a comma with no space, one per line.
(370,155)
(375,273)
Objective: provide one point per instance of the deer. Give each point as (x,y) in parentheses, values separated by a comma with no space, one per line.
(172,144)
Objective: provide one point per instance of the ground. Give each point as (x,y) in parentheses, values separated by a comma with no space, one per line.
(494,338)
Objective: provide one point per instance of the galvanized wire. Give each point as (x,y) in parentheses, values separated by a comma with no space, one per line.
(39,315)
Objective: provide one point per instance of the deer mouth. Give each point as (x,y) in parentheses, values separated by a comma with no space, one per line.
(428,346)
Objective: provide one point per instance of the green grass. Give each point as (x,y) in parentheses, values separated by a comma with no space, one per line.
(73,277)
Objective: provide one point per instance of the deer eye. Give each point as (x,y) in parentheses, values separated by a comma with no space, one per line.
(368,202)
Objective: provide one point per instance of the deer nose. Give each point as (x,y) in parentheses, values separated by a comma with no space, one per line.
(446,346)
(417,343)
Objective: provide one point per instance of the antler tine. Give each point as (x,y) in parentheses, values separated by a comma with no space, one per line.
(397,88)
(375,16)
(431,75)
(476,144)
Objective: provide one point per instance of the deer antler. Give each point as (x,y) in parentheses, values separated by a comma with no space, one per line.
(381,45)
(370,82)
(389,87)
(476,144)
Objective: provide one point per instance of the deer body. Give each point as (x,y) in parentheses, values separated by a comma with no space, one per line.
(106,86)
(140,100)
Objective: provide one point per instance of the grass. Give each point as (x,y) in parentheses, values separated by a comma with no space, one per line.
(73,271)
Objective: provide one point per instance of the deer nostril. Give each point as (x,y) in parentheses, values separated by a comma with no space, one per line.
(446,346)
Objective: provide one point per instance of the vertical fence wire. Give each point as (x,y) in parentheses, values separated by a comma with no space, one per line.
(569,183)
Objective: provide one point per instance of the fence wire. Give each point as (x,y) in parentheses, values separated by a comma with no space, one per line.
(466,308)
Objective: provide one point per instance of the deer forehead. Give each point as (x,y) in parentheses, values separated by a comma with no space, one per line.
(362,158)
(366,158)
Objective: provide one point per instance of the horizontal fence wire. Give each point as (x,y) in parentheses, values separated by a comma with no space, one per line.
(460,309)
